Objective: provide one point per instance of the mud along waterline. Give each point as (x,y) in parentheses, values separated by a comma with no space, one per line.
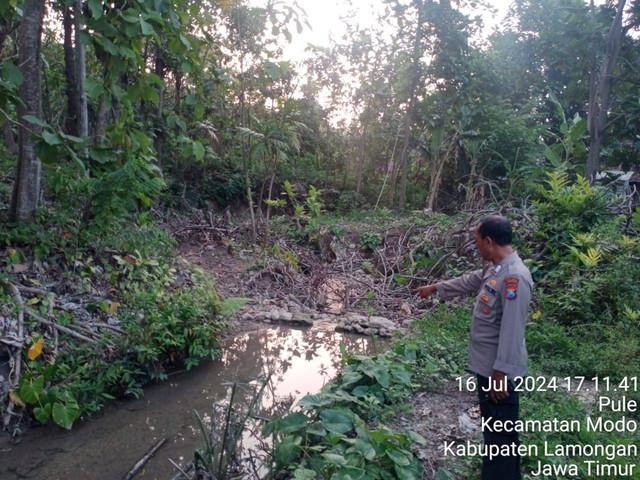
(300,361)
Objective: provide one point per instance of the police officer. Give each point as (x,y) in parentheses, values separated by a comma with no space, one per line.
(497,351)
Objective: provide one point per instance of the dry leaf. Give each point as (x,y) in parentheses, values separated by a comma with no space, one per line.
(36,349)
(113,308)
(19,267)
(131,259)
(405,308)
(16,399)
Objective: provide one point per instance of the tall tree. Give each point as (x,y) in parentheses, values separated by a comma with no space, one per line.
(73,100)
(600,93)
(26,190)
(81,72)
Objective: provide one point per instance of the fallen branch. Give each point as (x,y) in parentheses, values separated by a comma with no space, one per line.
(37,291)
(183,472)
(107,326)
(66,330)
(17,355)
(141,463)
(12,342)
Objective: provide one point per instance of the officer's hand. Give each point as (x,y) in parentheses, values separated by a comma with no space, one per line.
(425,291)
(498,390)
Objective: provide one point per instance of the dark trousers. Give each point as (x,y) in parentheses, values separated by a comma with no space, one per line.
(500,467)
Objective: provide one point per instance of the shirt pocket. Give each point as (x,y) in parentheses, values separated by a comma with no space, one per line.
(485,308)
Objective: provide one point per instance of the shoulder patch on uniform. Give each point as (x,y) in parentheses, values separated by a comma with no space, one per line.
(511,284)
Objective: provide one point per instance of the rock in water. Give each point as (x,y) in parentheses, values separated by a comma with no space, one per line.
(381,322)
(302,318)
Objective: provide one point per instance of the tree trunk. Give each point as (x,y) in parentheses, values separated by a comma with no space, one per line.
(100,129)
(158,142)
(404,154)
(9,139)
(268,228)
(600,95)
(363,158)
(73,102)
(81,73)
(245,160)
(26,189)
(178,75)
(436,176)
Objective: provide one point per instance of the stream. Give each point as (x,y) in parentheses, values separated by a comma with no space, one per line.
(106,446)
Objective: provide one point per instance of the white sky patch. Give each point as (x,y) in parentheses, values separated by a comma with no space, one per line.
(325,19)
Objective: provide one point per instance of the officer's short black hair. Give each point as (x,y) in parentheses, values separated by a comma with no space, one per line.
(497,228)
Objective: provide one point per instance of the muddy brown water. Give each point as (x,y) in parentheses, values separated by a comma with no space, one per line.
(106,446)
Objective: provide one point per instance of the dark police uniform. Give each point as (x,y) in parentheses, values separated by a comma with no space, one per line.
(497,343)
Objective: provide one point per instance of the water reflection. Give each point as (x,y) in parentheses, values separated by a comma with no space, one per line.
(299,362)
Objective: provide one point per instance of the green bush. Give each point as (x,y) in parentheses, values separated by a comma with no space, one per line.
(329,436)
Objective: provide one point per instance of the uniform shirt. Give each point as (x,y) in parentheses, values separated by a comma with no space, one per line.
(499,315)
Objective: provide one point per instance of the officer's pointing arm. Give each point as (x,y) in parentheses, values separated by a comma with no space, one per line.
(516,295)
(463,285)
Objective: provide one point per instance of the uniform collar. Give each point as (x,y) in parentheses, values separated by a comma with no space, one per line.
(512,257)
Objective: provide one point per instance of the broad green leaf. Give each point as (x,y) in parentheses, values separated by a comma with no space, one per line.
(12,74)
(51,138)
(318,400)
(131,15)
(198,150)
(288,450)
(578,130)
(349,473)
(398,458)
(443,474)
(273,70)
(184,41)
(47,153)
(150,94)
(293,422)
(416,437)
(232,305)
(349,378)
(96,8)
(552,157)
(336,421)
(101,155)
(336,459)
(93,88)
(35,120)
(146,27)
(127,52)
(30,392)
(316,429)
(302,473)
(198,111)
(406,473)
(365,448)
(43,414)
(65,415)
